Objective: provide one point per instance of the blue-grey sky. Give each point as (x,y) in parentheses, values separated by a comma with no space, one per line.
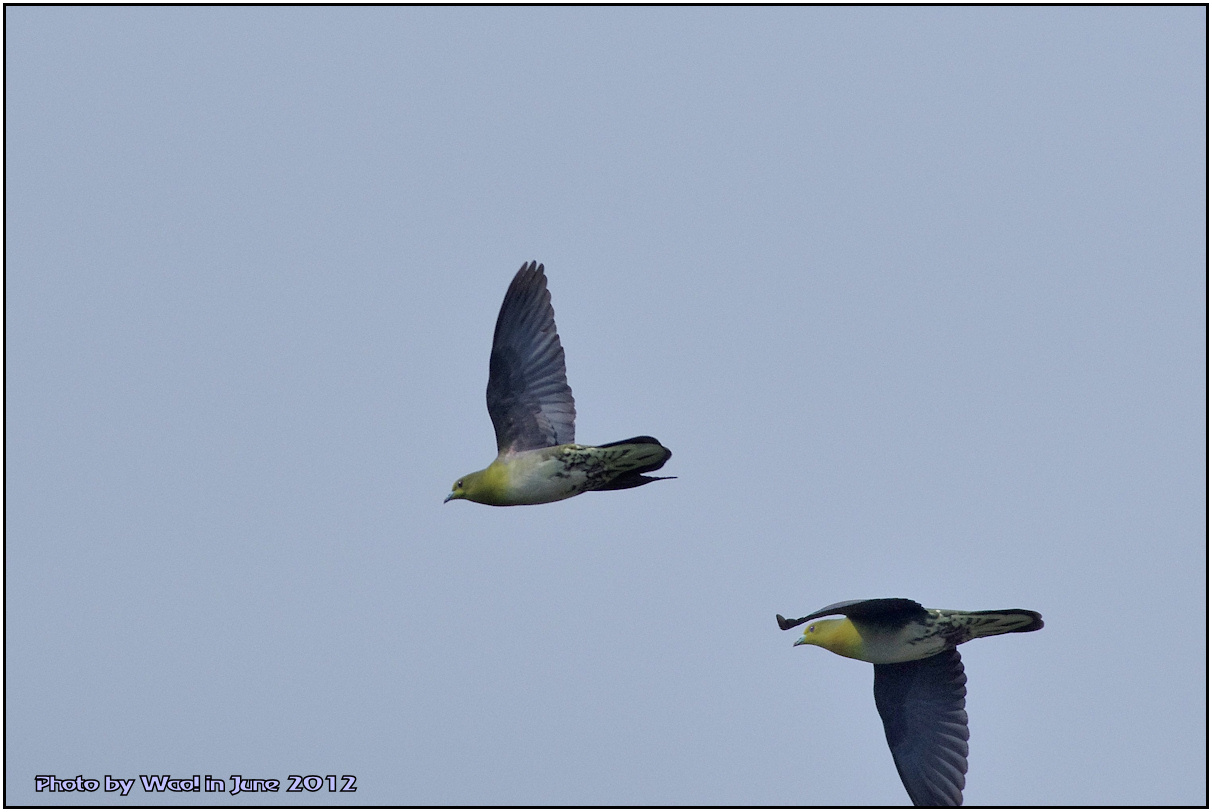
(917,297)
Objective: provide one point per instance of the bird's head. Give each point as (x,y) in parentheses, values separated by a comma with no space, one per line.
(480,486)
(460,489)
(835,634)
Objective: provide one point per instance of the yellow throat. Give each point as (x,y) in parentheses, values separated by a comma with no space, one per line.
(487,486)
(835,634)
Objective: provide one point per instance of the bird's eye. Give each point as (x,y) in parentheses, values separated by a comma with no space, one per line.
(812,628)
(459,484)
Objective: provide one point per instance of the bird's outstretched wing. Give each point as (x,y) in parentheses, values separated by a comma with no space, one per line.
(888,610)
(922,705)
(529,400)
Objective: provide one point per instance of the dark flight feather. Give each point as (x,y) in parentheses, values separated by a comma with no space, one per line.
(893,611)
(529,399)
(921,703)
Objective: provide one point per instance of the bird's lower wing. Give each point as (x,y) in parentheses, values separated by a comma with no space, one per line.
(922,706)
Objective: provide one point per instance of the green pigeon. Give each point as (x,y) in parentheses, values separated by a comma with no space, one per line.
(533,413)
(919,680)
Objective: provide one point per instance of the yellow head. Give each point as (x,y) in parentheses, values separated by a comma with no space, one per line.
(464,487)
(485,487)
(835,634)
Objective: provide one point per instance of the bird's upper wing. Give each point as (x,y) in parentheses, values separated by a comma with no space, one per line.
(888,610)
(529,400)
(922,705)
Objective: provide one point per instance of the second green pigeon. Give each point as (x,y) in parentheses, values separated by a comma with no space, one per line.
(919,679)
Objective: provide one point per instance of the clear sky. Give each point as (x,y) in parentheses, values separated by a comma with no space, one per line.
(917,297)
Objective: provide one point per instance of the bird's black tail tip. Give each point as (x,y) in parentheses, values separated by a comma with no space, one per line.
(1036,624)
(643,439)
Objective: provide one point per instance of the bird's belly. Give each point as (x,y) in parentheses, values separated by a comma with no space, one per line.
(915,641)
(541,478)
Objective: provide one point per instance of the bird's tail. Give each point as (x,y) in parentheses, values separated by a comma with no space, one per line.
(998,621)
(623,464)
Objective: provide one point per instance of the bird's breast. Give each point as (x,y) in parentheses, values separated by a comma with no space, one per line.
(900,644)
(539,476)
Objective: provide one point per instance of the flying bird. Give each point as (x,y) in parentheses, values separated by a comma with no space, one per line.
(919,680)
(533,413)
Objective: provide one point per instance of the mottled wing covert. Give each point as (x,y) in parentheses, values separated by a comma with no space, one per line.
(922,705)
(529,400)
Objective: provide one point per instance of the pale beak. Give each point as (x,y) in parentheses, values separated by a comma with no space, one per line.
(799,642)
(449,497)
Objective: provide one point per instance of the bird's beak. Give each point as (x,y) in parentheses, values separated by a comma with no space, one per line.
(449,496)
(799,642)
